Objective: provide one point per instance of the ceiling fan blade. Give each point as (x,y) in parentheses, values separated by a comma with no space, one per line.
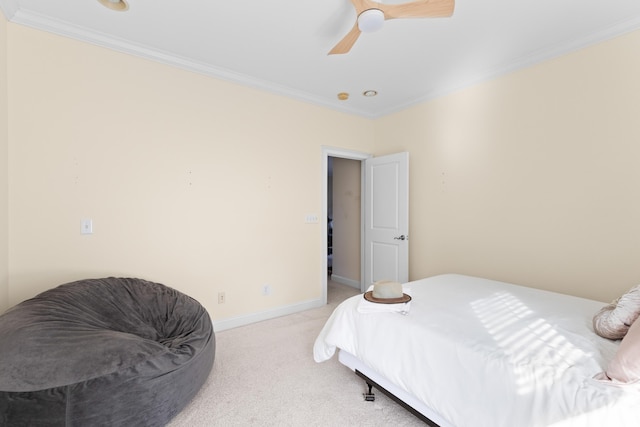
(347,41)
(362,5)
(418,9)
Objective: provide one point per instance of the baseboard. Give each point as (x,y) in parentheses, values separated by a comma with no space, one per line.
(234,322)
(345,281)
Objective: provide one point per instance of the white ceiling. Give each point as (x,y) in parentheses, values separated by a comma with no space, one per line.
(281,45)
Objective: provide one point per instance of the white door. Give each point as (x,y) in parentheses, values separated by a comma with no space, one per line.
(386,219)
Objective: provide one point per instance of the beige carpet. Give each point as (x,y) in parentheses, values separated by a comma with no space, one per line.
(264,375)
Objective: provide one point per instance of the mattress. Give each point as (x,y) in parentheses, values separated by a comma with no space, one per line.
(479,352)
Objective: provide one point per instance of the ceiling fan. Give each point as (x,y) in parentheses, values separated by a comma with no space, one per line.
(371,15)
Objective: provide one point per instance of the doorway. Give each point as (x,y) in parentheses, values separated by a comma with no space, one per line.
(344,221)
(341,243)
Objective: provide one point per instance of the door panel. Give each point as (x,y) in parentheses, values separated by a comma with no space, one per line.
(386,218)
(385,261)
(384,197)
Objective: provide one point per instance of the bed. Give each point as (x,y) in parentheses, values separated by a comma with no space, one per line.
(473,352)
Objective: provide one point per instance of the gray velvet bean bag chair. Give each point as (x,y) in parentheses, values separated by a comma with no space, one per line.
(103,352)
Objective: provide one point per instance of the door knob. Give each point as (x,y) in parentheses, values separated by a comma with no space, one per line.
(403,237)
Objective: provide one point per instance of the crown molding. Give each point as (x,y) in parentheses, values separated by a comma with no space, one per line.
(9,8)
(65,29)
(607,33)
(15,15)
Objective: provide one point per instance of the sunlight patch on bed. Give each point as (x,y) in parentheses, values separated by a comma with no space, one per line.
(527,341)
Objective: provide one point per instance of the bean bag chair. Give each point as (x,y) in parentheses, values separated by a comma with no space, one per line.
(103,352)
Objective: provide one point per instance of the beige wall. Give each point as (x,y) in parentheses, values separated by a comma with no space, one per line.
(533,177)
(203,185)
(4,137)
(346,221)
(190,181)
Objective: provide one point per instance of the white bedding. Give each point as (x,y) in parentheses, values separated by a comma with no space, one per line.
(486,353)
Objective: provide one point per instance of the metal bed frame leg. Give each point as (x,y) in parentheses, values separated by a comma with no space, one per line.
(370,397)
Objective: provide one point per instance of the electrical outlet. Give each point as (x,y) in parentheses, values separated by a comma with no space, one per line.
(221,298)
(311,219)
(266,289)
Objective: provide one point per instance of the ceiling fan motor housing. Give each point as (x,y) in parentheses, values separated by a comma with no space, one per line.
(370,20)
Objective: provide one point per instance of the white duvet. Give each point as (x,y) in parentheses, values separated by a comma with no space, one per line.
(486,353)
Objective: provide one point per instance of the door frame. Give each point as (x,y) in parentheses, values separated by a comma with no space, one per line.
(343,154)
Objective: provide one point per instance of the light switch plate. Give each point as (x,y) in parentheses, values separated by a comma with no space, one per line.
(86,226)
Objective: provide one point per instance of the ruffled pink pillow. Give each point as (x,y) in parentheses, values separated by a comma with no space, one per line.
(625,366)
(613,320)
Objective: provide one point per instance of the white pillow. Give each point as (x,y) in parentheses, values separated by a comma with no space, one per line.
(613,320)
